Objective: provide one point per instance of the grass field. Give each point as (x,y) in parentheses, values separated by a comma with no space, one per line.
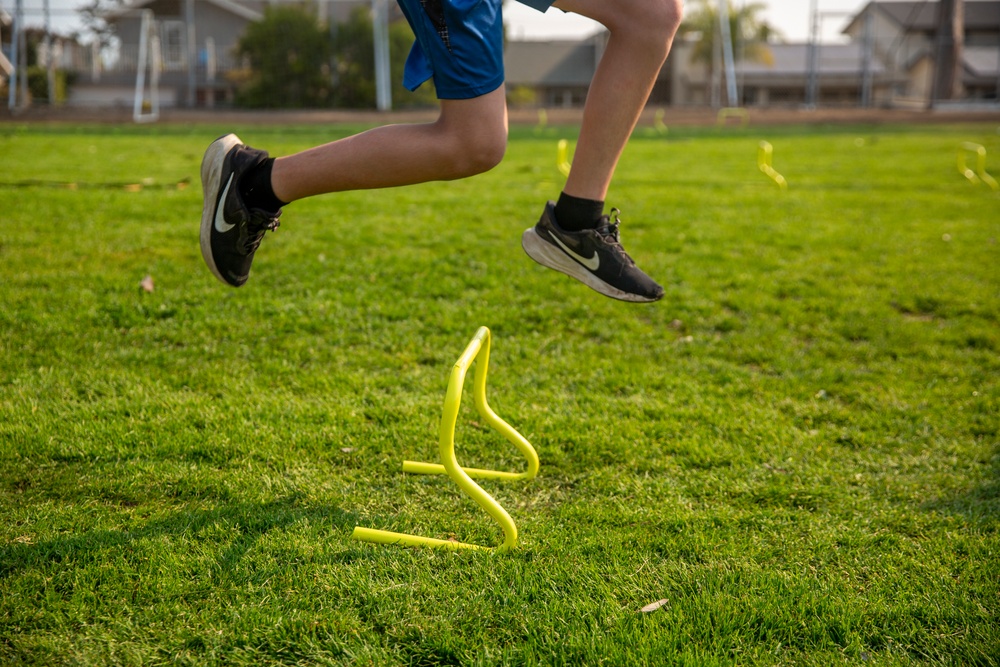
(797,448)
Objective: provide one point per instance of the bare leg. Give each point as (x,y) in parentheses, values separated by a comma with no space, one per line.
(642,32)
(469,137)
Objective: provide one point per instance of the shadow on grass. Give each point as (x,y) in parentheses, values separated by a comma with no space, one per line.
(247,523)
(980,505)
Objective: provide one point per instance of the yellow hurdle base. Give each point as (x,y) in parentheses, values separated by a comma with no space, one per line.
(388,537)
(421,468)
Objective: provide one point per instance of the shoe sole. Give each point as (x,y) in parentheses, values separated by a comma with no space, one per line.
(552,257)
(211,181)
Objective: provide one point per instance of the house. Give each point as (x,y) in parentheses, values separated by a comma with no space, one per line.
(217,26)
(782,77)
(557,73)
(892,68)
(839,76)
(904,36)
(216,29)
(552,73)
(887,60)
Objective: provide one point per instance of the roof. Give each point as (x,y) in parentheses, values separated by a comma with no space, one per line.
(923,16)
(793,59)
(982,61)
(559,63)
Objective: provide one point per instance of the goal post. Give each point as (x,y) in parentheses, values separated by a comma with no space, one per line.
(147,110)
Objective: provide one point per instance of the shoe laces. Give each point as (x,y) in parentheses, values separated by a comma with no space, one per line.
(260,223)
(609,232)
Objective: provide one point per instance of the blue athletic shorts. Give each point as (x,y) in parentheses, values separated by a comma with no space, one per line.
(459,43)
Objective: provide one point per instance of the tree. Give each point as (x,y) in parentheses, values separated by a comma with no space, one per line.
(92,17)
(289,54)
(750,33)
(354,57)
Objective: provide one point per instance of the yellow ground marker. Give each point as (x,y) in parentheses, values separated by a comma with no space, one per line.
(980,172)
(765,157)
(658,124)
(543,121)
(562,158)
(478,347)
(739,113)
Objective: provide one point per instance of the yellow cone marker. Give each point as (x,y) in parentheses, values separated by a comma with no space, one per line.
(479,346)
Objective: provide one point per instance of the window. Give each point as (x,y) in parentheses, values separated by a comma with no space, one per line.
(173,45)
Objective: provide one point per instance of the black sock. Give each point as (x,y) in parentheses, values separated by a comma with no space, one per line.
(255,186)
(575,214)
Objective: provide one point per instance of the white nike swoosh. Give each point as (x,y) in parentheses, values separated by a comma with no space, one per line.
(221,225)
(592,263)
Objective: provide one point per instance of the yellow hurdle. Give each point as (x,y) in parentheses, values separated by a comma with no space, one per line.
(658,124)
(562,159)
(739,113)
(979,175)
(765,158)
(479,347)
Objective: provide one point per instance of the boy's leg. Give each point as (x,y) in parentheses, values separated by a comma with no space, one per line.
(642,32)
(460,44)
(573,236)
(469,137)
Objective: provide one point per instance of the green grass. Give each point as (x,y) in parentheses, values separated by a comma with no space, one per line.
(797,448)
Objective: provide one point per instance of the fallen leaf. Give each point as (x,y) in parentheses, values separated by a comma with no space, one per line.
(653,606)
(147,283)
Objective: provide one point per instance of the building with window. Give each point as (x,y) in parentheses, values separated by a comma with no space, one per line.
(886,60)
(890,64)
(904,37)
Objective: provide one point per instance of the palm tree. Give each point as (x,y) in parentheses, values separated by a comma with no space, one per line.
(749,32)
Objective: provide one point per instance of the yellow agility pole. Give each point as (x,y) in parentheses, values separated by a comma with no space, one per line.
(479,346)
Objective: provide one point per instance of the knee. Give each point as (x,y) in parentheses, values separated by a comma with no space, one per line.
(650,24)
(476,150)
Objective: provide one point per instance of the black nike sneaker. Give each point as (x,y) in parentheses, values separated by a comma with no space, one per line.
(230,231)
(595,257)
